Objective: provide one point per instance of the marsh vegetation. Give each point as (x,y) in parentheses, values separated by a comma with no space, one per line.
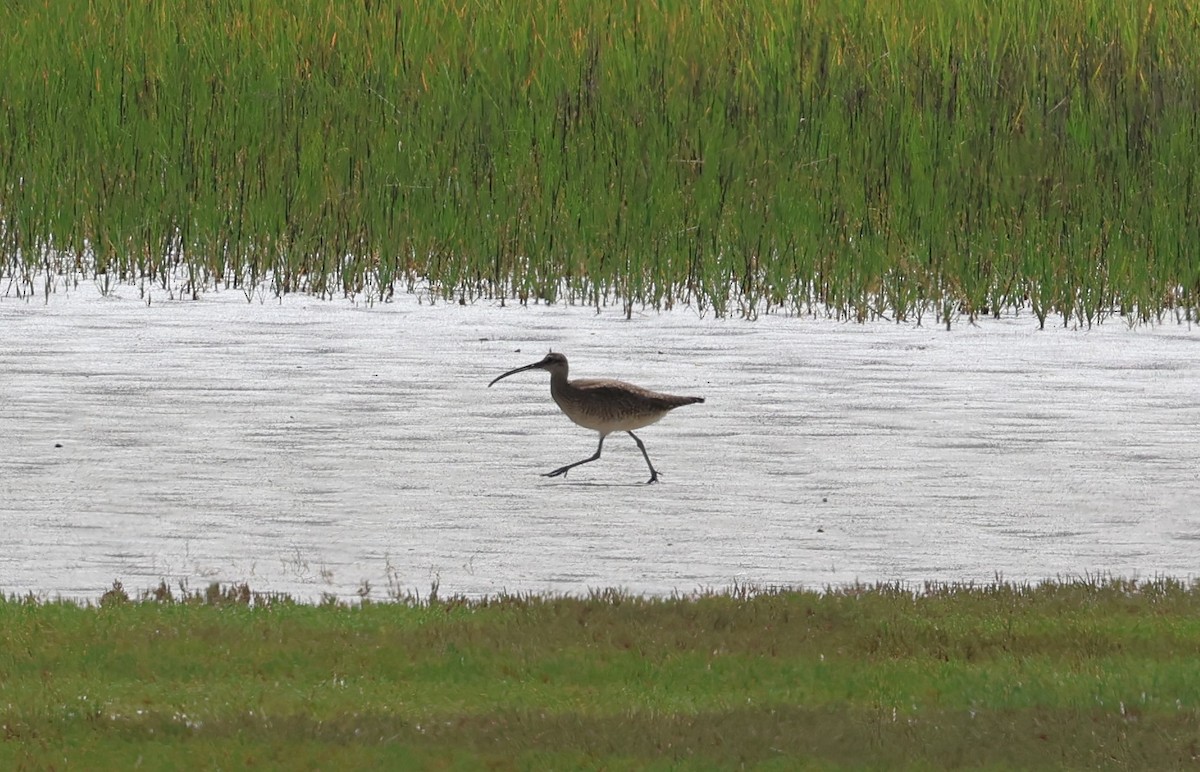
(916,160)
(1090,673)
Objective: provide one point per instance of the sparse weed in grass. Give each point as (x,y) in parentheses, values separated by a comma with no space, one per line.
(1092,673)
(947,160)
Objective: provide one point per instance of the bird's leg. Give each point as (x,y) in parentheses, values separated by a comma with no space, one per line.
(562,470)
(653,471)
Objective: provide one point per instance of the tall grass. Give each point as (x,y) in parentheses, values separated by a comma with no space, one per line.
(950,159)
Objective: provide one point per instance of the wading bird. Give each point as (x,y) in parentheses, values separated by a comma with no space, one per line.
(604,405)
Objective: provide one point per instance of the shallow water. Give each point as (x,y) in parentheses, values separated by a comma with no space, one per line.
(307,446)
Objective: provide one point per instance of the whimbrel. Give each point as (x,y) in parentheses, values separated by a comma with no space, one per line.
(604,405)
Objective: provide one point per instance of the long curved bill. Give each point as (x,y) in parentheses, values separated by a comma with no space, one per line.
(533,366)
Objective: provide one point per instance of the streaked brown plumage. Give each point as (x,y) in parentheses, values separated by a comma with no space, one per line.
(604,405)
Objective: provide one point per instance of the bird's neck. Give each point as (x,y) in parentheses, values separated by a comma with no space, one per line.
(559,383)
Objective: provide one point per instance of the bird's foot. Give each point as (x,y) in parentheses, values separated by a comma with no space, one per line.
(653,478)
(560,472)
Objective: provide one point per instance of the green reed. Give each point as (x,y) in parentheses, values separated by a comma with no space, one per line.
(927,159)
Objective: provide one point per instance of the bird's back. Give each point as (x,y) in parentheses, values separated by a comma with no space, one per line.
(606,405)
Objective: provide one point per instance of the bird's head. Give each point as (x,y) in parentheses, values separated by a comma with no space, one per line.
(552,363)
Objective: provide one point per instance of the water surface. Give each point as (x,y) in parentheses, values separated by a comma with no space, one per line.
(310,446)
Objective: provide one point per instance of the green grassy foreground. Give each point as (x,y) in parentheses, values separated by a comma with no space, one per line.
(1078,675)
(936,159)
